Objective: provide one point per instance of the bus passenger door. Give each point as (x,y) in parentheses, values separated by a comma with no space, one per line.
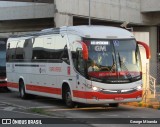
(80,88)
(78,68)
(80,80)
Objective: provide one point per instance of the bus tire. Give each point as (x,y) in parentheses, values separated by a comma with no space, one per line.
(68,98)
(22,92)
(113,105)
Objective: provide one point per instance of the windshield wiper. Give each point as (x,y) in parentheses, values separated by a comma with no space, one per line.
(123,66)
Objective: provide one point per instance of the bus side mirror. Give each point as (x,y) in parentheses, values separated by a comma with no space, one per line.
(148,53)
(84,51)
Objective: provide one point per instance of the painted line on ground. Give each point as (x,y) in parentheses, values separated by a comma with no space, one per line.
(77,109)
(31,114)
(9,108)
(11,104)
(41,107)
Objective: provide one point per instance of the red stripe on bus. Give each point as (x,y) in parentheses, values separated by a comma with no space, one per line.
(12,85)
(91,95)
(113,74)
(44,89)
(3,84)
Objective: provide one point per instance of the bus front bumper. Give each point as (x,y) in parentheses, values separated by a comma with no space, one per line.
(101,98)
(107,101)
(91,97)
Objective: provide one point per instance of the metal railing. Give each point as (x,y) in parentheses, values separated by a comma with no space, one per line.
(152,85)
(152,82)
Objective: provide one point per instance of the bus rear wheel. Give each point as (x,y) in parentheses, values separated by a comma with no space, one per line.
(22,92)
(68,98)
(113,105)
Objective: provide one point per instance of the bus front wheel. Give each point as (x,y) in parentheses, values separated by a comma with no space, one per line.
(68,98)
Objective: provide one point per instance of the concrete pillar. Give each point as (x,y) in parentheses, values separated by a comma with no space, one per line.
(154,66)
(63,20)
(153,43)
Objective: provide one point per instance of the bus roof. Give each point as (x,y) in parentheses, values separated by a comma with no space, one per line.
(106,32)
(99,32)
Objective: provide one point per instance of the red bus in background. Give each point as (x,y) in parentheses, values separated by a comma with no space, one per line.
(3,79)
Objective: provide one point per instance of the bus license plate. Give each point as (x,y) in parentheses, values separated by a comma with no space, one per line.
(118,98)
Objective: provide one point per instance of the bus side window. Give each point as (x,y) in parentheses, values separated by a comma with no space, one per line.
(76,52)
(80,61)
(11,50)
(61,50)
(65,53)
(38,49)
(77,57)
(19,50)
(48,47)
(28,45)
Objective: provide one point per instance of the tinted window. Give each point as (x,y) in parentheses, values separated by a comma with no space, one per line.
(60,47)
(11,47)
(48,47)
(19,49)
(2,53)
(55,47)
(73,39)
(38,49)
(27,49)
(76,51)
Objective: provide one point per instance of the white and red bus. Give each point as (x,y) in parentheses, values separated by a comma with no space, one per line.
(3,79)
(77,64)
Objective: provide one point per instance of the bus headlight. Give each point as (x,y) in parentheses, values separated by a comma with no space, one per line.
(96,88)
(6,79)
(89,86)
(139,88)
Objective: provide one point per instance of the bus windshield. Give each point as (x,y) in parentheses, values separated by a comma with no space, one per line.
(2,55)
(113,61)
